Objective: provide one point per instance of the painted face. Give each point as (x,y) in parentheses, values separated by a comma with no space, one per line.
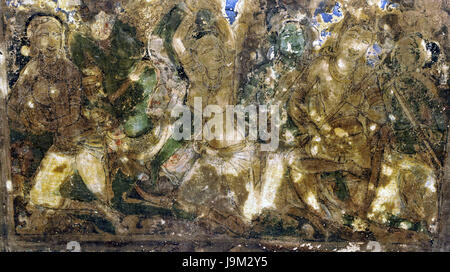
(209,54)
(48,39)
(354,43)
(410,53)
(102,27)
(292,40)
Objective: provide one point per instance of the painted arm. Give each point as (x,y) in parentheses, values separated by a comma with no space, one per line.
(296,104)
(74,99)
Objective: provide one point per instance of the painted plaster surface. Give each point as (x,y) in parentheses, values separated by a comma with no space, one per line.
(354,156)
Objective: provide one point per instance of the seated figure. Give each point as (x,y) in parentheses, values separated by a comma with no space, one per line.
(338,110)
(47,98)
(130,98)
(207,176)
(415,151)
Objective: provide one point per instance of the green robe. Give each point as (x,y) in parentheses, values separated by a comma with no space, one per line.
(116,63)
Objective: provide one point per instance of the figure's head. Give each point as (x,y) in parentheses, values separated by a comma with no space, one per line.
(290,26)
(292,40)
(410,53)
(102,26)
(46,36)
(209,54)
(354,42)
(207,48)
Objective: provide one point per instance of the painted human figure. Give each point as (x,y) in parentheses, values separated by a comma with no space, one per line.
(202,43)
(116,80)
(118,94)
(415,152)
(209,62)
(47,98)
(276,63)
(131,102)
(338,109)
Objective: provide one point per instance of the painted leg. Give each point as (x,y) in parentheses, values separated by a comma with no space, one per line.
(54,170)
(91,167)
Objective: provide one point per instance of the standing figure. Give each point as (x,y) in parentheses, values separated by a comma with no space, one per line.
(47,98)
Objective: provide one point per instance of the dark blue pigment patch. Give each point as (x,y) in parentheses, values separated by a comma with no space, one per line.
(119,7)
(325,33)
(435,51)
(377,48)
(323,36)
(230,10)
(320,8)
(373,55)
(384,4)
(337,10)
(58,9)
(69,14)
(12,3)
(328,17)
